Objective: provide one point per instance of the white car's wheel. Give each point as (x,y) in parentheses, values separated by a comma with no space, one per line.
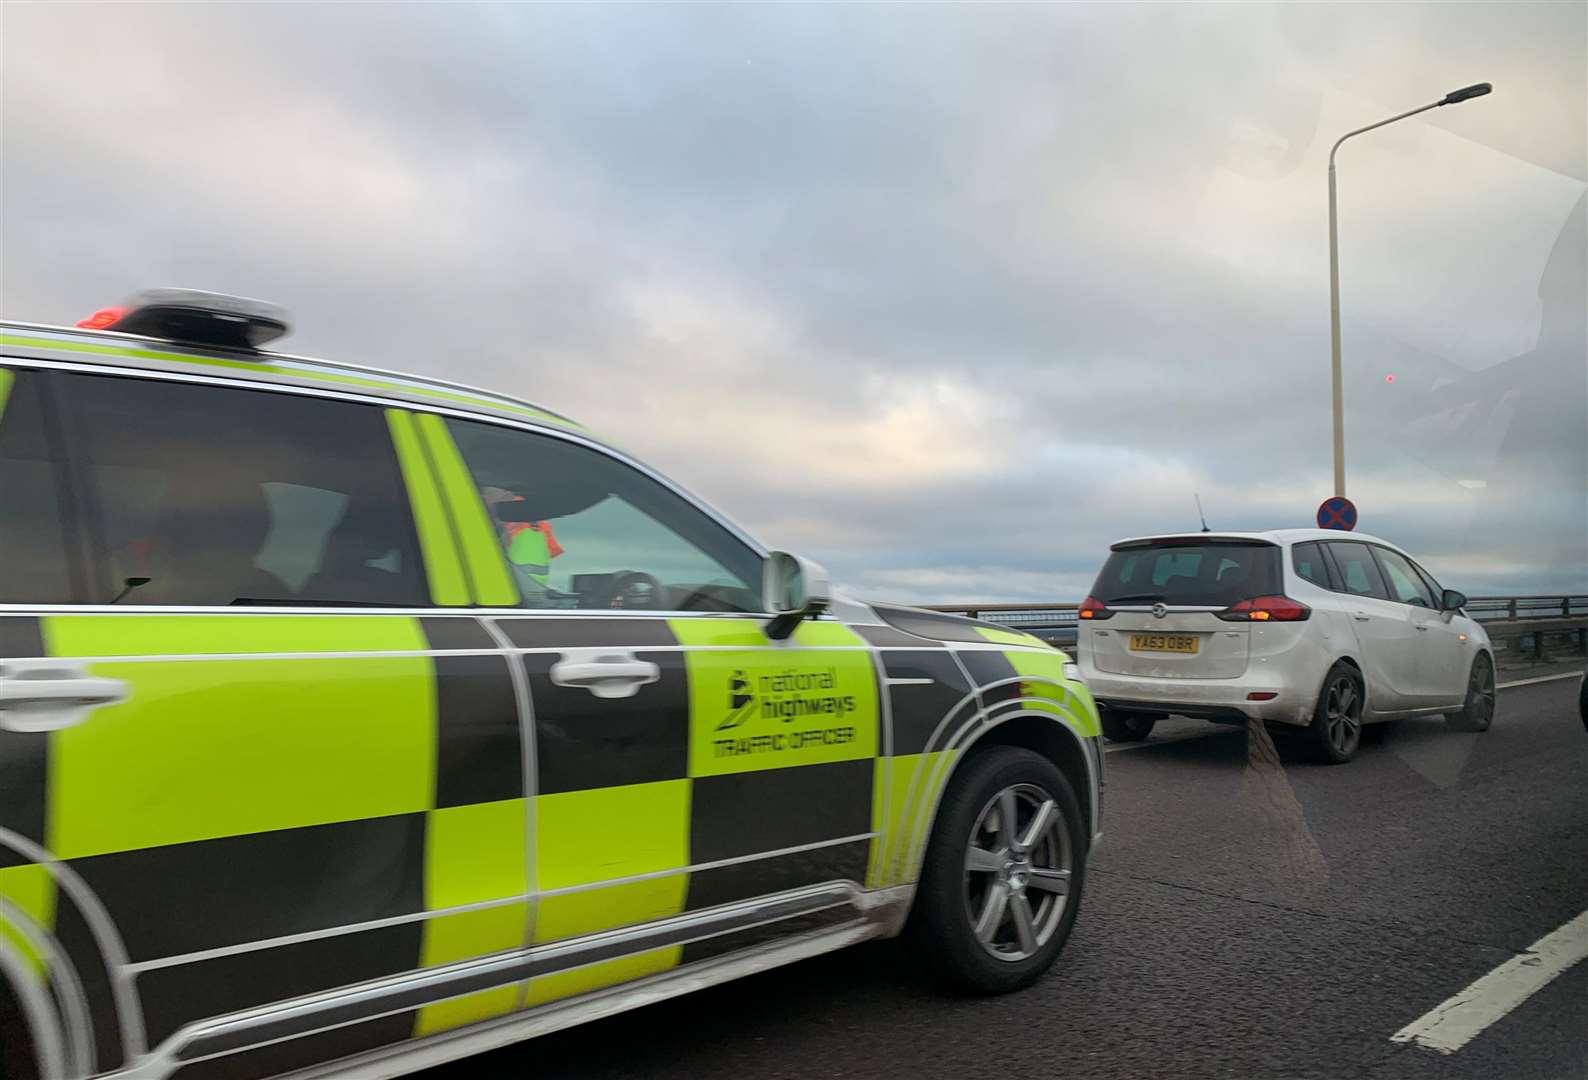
(1336,729)
(1477,712)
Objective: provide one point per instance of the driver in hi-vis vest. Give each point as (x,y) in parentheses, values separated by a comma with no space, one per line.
(530,545)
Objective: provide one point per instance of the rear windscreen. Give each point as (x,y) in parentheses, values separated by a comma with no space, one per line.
(1189,573)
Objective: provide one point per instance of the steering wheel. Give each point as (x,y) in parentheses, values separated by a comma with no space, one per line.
(628,590)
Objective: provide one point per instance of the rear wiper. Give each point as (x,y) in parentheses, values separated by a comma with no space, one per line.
(1139,598)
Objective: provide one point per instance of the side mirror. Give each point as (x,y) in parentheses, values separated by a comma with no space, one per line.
(796,589)
(1451,600)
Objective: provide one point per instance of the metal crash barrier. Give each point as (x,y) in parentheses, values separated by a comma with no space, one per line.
(1524,629)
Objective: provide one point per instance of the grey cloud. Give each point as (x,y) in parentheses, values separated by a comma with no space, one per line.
(1098,230)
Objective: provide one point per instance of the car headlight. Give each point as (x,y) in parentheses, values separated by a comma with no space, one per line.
(1072,671)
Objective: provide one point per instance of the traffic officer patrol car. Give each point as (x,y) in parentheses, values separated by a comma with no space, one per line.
(301,773)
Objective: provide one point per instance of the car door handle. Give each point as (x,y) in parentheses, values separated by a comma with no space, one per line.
(50,695)
(1421,627)
(1362,616)
(604,673)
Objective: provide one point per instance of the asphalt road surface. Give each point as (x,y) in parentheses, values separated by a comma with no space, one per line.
(1243,918)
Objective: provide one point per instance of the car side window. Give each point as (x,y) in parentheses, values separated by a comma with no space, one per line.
(33,534)
(215,496)
(1405,585)
(1309,563)
(1436,590)
(1358,572)
(581,529)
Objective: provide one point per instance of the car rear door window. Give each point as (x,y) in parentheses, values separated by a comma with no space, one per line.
(216,496)
(34,565)
(1406,586)
(581,529)
(1309,564)
(1358,572)
(1193,573)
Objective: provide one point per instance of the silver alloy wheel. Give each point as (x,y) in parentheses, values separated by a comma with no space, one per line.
(1019,851)
(1343,711)
(1480,693)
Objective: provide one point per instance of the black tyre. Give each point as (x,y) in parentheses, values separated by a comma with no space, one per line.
(1126,726)
(16,1049)
(1003,875)
(1477,712)
(1335,733)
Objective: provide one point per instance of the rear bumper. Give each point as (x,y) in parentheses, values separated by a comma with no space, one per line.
(1219,700)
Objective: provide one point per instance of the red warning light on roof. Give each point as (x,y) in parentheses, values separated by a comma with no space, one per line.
(102,319)
(1389,378)
(193,317)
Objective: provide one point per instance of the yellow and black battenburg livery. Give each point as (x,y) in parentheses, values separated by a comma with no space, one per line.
(300,773)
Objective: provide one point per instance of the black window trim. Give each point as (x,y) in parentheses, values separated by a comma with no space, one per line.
(1336,576)
(1383,572)
(733,533)
(1383,584)
(91,367)
(1336,579)
(91,516)
(1144,545)
(1331,578)
(1428,579)
(84,519)
(68,503)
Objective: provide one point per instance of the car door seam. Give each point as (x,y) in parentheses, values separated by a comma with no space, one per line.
(530,763)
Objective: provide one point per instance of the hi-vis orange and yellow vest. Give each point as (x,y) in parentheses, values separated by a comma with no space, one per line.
(531,546)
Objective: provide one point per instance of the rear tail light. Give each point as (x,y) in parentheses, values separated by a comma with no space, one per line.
(1092,608)
(1266,609)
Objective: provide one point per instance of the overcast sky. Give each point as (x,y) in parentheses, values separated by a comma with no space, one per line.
(947,298)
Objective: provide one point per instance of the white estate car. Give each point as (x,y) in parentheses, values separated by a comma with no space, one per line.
(1321,631)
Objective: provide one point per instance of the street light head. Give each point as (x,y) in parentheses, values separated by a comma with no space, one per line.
(1475,90)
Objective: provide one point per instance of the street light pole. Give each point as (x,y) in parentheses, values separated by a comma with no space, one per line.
(1338,393)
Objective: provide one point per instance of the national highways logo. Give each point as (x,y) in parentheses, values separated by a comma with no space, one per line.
(741,701)
(787,695)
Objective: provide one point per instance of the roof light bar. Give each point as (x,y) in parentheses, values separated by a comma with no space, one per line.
(194,317)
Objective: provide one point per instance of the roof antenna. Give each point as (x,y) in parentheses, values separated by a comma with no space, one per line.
(1200,514)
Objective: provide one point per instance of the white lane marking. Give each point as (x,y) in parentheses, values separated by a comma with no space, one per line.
(1454,1023)
(1541,678)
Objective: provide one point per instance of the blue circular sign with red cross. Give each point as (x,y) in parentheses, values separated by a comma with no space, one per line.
(1337,513)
